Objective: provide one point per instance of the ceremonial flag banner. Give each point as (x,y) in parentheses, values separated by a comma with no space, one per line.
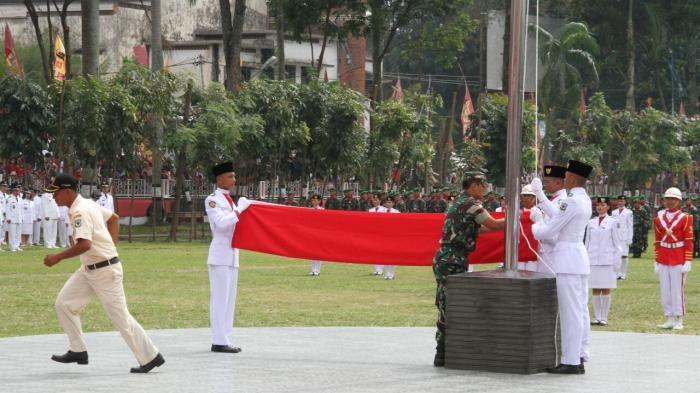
(11,57)
(59,65)
(408,239)
(398,91)
(467,109)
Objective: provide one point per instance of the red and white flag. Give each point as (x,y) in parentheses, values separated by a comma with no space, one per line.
(398,91)
(467,109)
(11,57)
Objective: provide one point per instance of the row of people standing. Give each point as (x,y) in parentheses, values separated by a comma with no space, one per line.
(30,218)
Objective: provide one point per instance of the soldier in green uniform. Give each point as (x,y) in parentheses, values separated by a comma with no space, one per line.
(691,210)
(640,228)
(400,200)
(365,200)
(651,215)
(463,222)
(491,203)
(332,202)
(416,204)
(290,200)
(349,202)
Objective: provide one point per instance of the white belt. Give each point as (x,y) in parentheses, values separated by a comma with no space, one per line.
(673,245)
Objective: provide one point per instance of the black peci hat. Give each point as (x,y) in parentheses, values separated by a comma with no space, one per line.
(579,168)
(224,167)
(554,171)
(62,180)
(603,199)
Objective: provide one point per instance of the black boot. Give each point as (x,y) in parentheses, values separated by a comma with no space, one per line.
(439,360)
(224,348)
(71,357)
(156,362)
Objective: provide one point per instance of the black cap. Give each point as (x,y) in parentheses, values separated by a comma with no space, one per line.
(579,168)
(224,167)
(103,185)
(316,196)
(95,194)
(603,199)
(554,171)
(623,197)
(62,180)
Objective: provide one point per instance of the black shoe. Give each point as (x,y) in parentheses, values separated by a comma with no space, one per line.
(566,369)
(156,362)
(439,360)
(224,348)
(71,357)
(582,367)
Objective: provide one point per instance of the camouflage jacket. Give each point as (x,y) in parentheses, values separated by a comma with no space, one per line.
(349,204)
(695,212)
(332,204)
(462,223)
(415,206)
(640,220)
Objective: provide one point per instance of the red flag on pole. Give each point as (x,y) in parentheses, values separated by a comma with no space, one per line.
(681,110)
(11,53)
(398,91)
(467,109)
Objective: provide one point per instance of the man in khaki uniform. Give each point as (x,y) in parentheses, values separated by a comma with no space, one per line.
(96,230)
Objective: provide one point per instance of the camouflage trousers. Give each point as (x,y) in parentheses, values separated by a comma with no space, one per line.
(639,240)
(447,261)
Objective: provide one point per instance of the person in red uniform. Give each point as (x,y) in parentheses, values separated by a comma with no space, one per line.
(674,250)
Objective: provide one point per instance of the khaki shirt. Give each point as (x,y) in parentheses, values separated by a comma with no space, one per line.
(89,221)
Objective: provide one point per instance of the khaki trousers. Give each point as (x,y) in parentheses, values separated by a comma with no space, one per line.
(106,284)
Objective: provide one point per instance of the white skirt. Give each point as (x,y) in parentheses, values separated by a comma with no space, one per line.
(27,228)
(602,277)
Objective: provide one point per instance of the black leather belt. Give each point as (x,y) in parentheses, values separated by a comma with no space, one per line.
(102,264)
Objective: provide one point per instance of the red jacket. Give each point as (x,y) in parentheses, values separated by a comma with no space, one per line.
(674,238)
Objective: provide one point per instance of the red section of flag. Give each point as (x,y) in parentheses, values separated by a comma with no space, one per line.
(467,109)
(408,239)
(11,57)
(398,91)
(141,54)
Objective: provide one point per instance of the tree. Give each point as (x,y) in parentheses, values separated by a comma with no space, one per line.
(90,18)
(45,61)
(27,115)
(232,29)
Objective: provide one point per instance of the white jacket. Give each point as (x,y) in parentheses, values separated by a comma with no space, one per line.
(13,209)
(603,241)
(49,206)
(27,210)
(626,219)
(567,227)
(222,221)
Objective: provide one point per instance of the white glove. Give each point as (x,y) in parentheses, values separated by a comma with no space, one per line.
(243,204)
(686,267)
(656,267)
(536,185)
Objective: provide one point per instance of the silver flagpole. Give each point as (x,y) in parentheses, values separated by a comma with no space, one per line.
(518,34)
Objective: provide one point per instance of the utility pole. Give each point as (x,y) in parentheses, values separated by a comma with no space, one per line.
(90,19)
(156,66)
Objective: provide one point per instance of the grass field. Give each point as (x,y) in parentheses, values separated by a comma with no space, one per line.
(167,287)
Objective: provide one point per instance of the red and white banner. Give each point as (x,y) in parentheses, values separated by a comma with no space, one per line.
(408,239)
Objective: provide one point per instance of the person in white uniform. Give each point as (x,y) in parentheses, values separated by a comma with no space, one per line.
(13,218)
(63,226)
(27,219)
(100,275)
(626,219)
(553,182)
(106,200)
(38,218)
(604,245)
(377,208)
(569,261)
(389,208)
(3,201)
(223,261)
(316,265)
(529,209)
(51,214)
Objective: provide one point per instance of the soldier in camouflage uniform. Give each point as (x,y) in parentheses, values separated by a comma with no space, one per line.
(691,210)
(365,200)
(290,200)
(332,202)
(491,203)
(650,224)
(416,204)
(401,201)
(459,233)
(640,228)
(349,202)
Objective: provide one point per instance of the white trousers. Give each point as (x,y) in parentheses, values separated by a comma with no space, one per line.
(62,233)
(528,266)
(14,235)
(622,269)
(379,269)
(223,284)
(50,228)
(3,231)
(36,232)
(106,284)
(390,270)
(316,267)
(672,283)
(572,293)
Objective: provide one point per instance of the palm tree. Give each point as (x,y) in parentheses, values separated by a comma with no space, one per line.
(569,62)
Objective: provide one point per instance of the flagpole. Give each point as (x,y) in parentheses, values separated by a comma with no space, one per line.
(514,145)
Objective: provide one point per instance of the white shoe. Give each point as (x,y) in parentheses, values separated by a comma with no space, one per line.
(679,324)
(389,277)
(377,273)
(670,323)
